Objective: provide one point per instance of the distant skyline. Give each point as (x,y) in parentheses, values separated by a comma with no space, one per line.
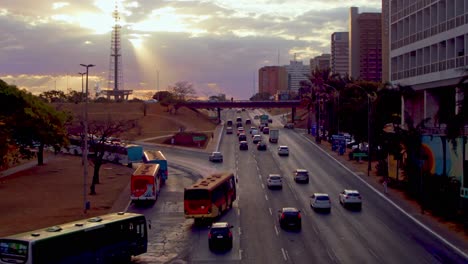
(217,45)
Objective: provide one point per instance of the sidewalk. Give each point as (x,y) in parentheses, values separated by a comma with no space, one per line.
(451,232)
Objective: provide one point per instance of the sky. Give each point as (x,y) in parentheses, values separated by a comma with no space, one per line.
(216,45)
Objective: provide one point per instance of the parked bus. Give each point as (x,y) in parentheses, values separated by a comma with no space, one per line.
(209,197)
(157,157)
(111,238)
(145,183)
(121,153)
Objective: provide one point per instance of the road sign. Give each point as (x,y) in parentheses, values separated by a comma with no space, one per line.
(359,155)
(198,138)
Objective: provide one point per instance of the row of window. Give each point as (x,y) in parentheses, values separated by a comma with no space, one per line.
(434,67)
(401,9)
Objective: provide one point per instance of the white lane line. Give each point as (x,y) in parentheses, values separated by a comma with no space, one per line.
(238,211)
(284,254)
(266,197)
(263,186)
(240,253)
(276,230)
(271,211)
(260,176)
(445,241)
(240,233)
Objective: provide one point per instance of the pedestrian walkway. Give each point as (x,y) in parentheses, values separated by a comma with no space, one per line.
(457,236)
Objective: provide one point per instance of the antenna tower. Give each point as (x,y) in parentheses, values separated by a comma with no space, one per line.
(115,65)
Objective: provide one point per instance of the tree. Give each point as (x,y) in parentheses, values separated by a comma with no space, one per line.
(183,91)
(263,96)
(53,96)
(29,120)
(104,130)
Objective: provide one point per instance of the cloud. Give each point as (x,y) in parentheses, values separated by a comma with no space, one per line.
(217,45)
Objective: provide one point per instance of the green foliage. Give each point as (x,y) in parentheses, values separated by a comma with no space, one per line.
(264,96)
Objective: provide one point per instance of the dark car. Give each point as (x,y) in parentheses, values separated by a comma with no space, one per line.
(248,122)
(289,125)
(261,146)
(242,137)
(220,236)
(290,217)
(270,120)
(243,145)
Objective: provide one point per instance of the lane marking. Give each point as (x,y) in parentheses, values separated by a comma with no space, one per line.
(445,241)
(263,186)
(240,233)
(284,254)
(266,197)
(271,212)
(276,230)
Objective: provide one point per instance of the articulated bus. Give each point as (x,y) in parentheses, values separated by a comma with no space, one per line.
(145,183)
(209,197)
(111,238)
(157,157)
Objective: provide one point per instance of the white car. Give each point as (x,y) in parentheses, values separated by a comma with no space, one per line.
(283,151)
(320,201)
(274,181)
(216,156)
(350,197)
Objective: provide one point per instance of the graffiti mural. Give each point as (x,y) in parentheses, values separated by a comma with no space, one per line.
(443,155)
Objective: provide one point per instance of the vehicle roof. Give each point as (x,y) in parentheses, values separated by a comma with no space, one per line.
(290,209)
(350,191)
(283,146)
(243,142)
(258,136)
(301,170)
(220,225)
(216,152)
(321,194)
(274,175)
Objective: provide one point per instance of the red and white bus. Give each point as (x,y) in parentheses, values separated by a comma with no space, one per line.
(145,183)
(209,197)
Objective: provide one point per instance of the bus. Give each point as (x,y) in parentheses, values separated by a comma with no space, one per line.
(121,153)
(110,238)
(157,157)
(209,197)
(145,183)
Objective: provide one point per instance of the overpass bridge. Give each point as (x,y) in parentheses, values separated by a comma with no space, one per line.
(219,105)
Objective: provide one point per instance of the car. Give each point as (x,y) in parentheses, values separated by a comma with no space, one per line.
(256,139)
(216,156)
(242,137)
(283,151)
(274,181)
(289,125)
(256,117)
(270,120)
(220,236)
(239,119)
(261,146)
(254,132)
(248,122)
(320,201)
(229,122)
(350,197)
(240,130)
(239,124)
(301,175)
(290,217)
(251,129)
(266,130)
(243,145)
(229,130)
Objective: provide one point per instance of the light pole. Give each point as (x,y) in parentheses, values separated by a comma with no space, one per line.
(338,96)
(85,150)
(82,88)
(368,130)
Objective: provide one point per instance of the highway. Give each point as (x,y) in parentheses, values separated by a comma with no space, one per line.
(379,233)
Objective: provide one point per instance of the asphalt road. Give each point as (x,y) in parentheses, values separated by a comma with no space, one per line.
(379,233)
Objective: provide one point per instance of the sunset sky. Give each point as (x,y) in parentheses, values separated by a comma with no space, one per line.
(218,45)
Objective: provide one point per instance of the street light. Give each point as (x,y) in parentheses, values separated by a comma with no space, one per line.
(368,130)
(338,96)
(82,89)
(85,150)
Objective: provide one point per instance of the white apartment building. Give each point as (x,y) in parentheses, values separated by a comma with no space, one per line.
(297,72)
(339,53)
(428,51)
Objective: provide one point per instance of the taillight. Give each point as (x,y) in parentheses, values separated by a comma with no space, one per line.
(299,215)
(230,234)
(209,235)
(282,216)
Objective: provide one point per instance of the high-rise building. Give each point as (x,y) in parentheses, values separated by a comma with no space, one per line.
(297,72)
(428,43)
(321,62)
(272,79)
(339,60)
(365,45)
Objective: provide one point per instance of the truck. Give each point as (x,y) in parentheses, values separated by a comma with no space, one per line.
(274,135)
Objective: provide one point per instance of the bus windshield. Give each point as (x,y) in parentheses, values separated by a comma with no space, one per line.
(13,251)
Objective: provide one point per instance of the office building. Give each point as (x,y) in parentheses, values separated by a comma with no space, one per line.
(339,53)
(321,62)
(297,72)
(272,79)
(365,45)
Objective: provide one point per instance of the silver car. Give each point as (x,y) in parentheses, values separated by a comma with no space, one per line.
(216,156)
(320,201)
(283,151)
(274,181)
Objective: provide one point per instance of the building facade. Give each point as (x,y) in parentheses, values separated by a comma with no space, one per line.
(272,79)
(297,72)
(321,62)
(365,45)
(428,43)
(339,53)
